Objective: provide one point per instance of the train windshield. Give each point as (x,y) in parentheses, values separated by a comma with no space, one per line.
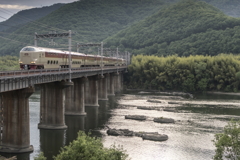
(28,49)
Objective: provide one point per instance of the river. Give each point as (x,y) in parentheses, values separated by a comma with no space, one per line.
(197,119)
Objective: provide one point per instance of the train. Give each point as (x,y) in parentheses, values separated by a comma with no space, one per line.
(32,57)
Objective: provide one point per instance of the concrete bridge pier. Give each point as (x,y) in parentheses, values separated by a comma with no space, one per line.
(15,121)
(91,92)
(118,82)
(74,103)
(121,81)
(52,105)
(102,88)
(111,79)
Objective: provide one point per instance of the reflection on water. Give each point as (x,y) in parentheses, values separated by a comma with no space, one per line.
(197,120)
(75,124)
(51,141)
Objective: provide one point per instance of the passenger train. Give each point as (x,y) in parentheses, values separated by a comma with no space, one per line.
(47,58)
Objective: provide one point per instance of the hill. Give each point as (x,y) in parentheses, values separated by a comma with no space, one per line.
(188,27)
(90,20)
(229,7)
(25,16)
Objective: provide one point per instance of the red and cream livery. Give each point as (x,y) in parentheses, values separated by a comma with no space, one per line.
(46,58)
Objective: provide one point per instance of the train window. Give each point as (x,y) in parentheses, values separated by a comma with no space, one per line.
(51,62)
(48,62)
(57,62)
(28,49)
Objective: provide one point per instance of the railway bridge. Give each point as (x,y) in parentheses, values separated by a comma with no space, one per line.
(63,92)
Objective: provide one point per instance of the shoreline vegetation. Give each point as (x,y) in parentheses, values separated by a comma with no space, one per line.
(187,74)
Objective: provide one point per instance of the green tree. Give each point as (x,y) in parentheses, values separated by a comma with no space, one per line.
(228,143)
(40,157)
(89,148)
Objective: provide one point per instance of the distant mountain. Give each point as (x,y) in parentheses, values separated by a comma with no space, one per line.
(90,20)
(141,26)
(229,7)
(25,16)
(189,27)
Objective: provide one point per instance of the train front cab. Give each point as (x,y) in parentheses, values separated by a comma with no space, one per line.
(30,58)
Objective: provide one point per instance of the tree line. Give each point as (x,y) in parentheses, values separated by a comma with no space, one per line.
(189,74)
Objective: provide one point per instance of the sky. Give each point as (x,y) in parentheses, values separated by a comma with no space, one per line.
(14,6)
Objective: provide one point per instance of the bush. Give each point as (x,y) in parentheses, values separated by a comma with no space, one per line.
(228,143)
(40,157)
(89,148)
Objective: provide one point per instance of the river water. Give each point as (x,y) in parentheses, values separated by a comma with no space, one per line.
(197,119)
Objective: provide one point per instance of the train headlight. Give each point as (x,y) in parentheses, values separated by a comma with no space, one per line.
(33,62)
(20,62)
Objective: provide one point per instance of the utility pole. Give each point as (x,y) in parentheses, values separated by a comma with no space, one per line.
(69,55)
(77,47)
(55,35)
(102,58)
(35,39)
(117,59)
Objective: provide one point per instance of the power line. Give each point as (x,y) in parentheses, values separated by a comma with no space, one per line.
(13,40)
(34,22)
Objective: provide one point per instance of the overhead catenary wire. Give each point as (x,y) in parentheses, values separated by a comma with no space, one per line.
(13,40)
(35,23)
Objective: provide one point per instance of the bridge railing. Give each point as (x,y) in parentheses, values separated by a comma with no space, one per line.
(46,71)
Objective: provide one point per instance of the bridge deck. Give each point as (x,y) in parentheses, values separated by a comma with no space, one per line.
(13,80)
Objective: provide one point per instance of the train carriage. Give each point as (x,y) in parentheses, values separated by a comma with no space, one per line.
(47,58)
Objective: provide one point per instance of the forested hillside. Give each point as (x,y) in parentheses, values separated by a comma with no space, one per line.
(90,20)
(188,27)
(23,17)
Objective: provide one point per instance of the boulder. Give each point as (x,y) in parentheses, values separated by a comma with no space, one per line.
(135,117)
(154,101)
(114,132)
(155,137)
(145,108)
(140,134)
(169,110)
(120,132)
(163,120)
(173,103)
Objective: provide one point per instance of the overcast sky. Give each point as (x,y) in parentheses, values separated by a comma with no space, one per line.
(15,6)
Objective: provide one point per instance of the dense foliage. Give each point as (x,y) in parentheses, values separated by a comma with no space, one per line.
(186,28)
(9,63)
(90,20)
(89,148)
(190,74)
(228,143)
(40,157)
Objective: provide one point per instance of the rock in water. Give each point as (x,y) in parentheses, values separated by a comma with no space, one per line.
(163,120)
(155,137)
(145,108)
(114,132)
(154,101)
(135,117)
(120,132)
